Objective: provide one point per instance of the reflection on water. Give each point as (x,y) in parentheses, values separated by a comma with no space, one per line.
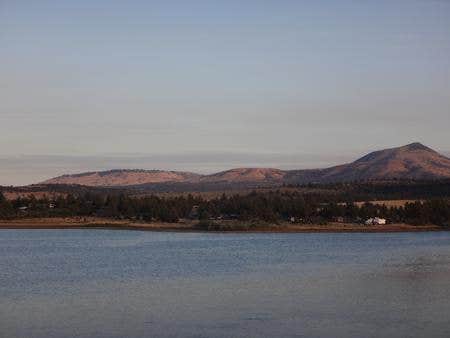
(99,283)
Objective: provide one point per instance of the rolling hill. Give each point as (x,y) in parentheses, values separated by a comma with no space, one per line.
(246,175)
(123,177)
(413,161)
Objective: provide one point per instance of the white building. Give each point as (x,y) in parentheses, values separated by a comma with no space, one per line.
(376,221)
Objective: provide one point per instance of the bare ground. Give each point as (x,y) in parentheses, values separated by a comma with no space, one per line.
(191,226)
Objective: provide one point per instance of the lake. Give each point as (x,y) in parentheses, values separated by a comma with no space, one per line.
(114,283)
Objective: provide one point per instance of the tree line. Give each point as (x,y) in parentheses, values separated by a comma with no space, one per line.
(272,206)
(389,189)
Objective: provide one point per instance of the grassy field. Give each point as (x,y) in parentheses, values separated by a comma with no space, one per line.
(389,203)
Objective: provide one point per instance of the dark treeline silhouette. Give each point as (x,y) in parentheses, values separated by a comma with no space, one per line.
(386,190)
(272,206)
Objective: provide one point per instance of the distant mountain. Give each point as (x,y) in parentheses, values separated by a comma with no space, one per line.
(246,175)
(123,177)
(413,161)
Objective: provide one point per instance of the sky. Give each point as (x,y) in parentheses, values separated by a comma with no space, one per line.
(210,85)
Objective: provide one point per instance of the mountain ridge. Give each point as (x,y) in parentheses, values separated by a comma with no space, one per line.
(122,177)
(412,161)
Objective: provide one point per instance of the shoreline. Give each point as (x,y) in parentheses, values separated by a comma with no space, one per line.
(190,227)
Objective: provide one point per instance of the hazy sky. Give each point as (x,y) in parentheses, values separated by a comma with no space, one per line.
(271,79)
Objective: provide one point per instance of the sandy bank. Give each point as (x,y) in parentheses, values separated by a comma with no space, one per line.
(101,223)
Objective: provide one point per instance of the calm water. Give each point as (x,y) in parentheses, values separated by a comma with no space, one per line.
(101,283)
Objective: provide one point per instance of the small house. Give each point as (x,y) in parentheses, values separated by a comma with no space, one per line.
(376,221)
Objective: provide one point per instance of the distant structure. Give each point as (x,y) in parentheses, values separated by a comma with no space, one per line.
(375,221)
(194,212)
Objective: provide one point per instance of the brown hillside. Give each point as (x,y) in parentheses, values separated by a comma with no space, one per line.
(246,175)
(413,161)
(123,178)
